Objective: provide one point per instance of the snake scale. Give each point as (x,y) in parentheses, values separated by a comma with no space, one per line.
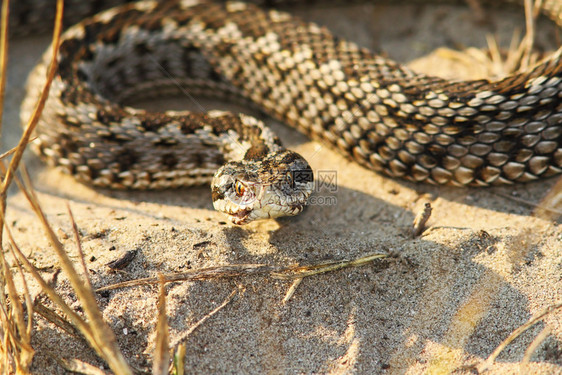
(378,113)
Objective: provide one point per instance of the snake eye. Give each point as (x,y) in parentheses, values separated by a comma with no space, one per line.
(290,179)
(239,188)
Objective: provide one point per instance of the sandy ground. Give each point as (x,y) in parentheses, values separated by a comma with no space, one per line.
(485,266)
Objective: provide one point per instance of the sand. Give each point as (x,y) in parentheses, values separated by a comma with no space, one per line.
(484,267)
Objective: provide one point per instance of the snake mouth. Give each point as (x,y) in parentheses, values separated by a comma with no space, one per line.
(240,217)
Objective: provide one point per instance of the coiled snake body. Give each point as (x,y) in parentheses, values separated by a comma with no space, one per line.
(380,114)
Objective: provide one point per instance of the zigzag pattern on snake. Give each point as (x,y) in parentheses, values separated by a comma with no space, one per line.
(378,113)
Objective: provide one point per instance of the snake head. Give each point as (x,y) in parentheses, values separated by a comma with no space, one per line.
(278,185)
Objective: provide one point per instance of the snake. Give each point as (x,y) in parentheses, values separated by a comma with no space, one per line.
(378,113)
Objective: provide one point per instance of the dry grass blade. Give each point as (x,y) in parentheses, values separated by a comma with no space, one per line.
(162,352)
(292,289)
(485,365)
(76,320)
(99,335)
(3,55)
(54,318)
(27,298)
(16,341)
(523,368)
(9,346)
(547,208)
(13,149)
(179,360)
(79,246)
(20,348)
(19,329)
(17,334)
(236,270)
(218,272)
(15,329)
(495,55)
(520,54)
(24,140)
(477,10)
(297,272)
(186,334)
(80,367)
(529,39)
(521,57)
(421,219)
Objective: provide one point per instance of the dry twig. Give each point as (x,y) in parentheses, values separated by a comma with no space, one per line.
(186,334)
(161,354)
(79,367)
(237,270)
(292,289)
(421,219)
(485,365)
(532,348)
(54,318)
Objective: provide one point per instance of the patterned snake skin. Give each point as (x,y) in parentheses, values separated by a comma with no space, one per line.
(378,113)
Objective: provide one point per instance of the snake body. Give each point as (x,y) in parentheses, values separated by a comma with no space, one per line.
(378,113)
